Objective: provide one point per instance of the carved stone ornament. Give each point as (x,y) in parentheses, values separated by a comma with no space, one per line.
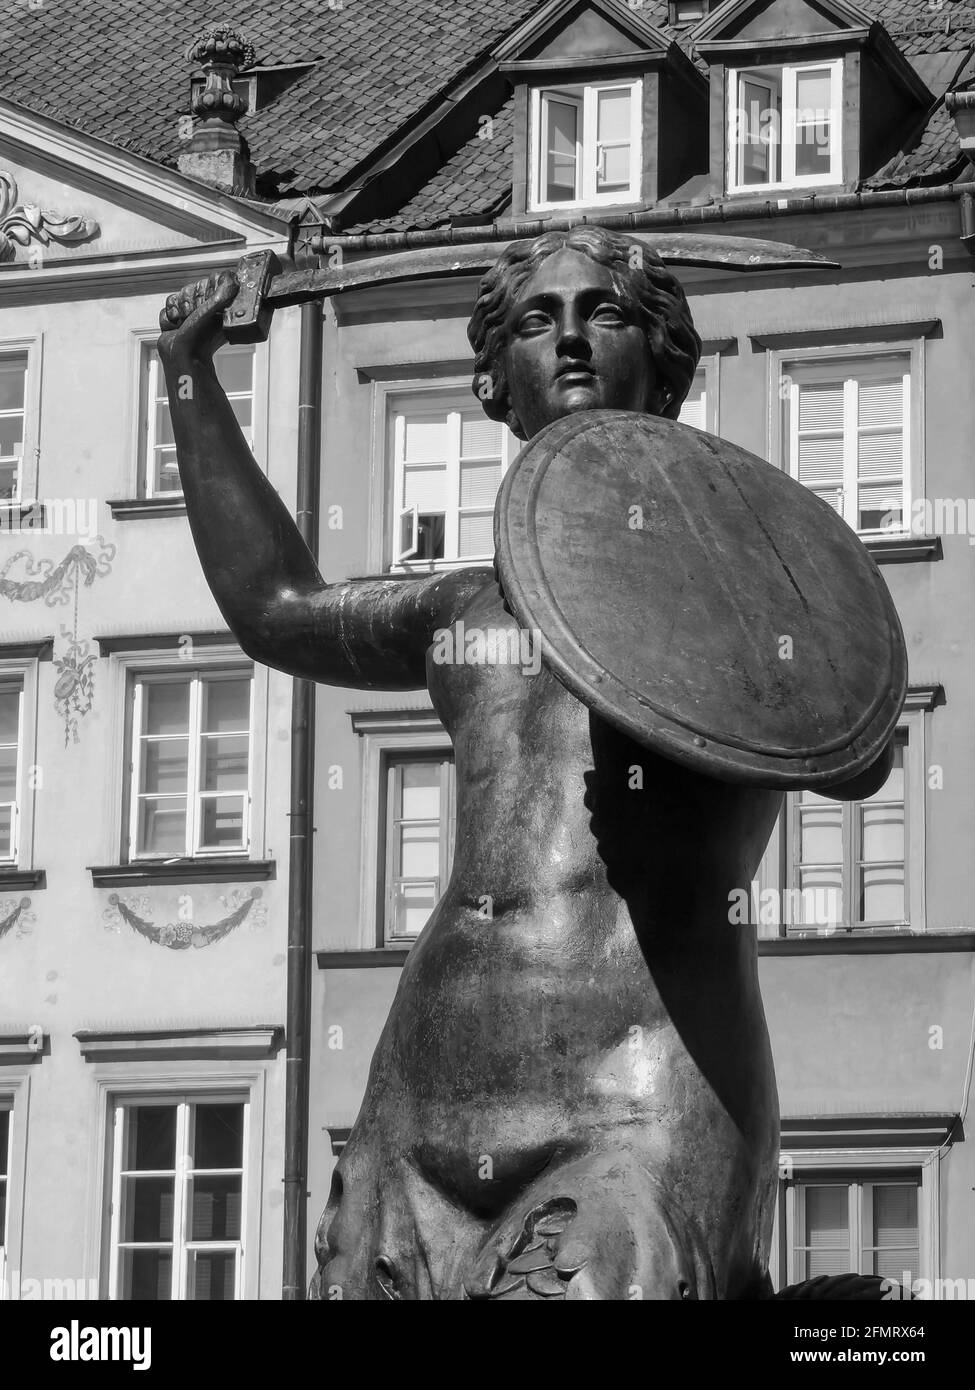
(22,224)
(222,53)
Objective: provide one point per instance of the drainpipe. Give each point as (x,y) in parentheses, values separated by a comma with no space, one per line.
(297,1026)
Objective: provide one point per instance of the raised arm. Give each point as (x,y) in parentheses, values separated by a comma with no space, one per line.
(259,569)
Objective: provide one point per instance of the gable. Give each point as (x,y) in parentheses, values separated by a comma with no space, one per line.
(588,35)
(784,19)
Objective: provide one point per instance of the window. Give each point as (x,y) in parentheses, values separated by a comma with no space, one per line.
(13,409)
(234,365)
(11,704)
(448,462)
(4,1181)
(687,11)
(784,126)
(190,763)
(178,1198)
(847,432)
(849,861)
(694,410)
(586,144)
(853,1224)
(419,840)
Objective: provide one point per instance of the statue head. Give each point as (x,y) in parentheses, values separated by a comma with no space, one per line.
(580,320)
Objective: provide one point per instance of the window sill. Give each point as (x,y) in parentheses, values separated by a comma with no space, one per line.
(900,550)
(139,508)
(866,943)
(149,871)
(11,877)
(362,959)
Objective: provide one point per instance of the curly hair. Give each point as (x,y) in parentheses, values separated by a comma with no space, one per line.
(641,279)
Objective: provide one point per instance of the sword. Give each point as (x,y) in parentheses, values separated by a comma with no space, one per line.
(265,285)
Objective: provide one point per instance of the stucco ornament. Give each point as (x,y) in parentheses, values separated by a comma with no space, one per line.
(15,912)
(26,223)
(183,931)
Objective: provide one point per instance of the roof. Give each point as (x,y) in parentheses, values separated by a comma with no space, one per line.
(117,69)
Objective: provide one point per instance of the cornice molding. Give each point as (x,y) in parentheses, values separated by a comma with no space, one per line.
(257,1041)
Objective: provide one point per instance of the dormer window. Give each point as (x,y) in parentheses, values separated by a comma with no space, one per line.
(784,126)
(687,11)
(586,144)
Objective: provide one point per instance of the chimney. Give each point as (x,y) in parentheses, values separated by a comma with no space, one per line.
(217,153)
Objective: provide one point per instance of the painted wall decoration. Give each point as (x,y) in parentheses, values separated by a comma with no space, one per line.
(16,913)
(58,585)
(27,225)
(183,932)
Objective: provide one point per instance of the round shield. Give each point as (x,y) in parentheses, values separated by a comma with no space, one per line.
(701,600)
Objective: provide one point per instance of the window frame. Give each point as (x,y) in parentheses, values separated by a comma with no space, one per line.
(15,1099)
(125,1080)
(777,869)
(29,475)
(852,1164)
(787,125)
(394,399)
(585,181)
(389,759)
(709,366)
(914,464)
(127,665)
(23,673)
(384,732)
(142,341)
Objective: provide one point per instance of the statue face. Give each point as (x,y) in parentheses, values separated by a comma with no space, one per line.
(573,344)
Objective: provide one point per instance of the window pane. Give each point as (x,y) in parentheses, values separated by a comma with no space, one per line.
(613,141)
(147,1209)
(893,788)
(693,411)
(243,410)
(827,1230)
(215,1208)
(820,897)
(146,1275)
(821,833)
(880,508)
(162,826)
(225,763)
(820,460)
(235,368)
(4,1141)
(212,1275)
(425,439)
(882,894)
(412,905)
(8,774)
(11,435)
(882,833)
(13,374)
(431,534)
(226,706)
(166,707)
(476,535)
(167,472)
(419,851)
(150,1138)
(479,483)
(9,481)
(895,1214)
(164,424)
(480,438)
(223,822)
(881,401)
(219,1136)
(820,405)
(9,716)
(758,118)
(420,791)
(164,765)
(560,157)
(425,488)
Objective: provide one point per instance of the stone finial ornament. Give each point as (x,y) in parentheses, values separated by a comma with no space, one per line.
(216,152)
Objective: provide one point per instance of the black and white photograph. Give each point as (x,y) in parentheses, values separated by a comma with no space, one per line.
(487,671)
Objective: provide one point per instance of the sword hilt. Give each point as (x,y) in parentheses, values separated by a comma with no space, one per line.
(247,319)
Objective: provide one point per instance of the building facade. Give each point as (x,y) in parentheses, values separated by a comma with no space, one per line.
(142,1013)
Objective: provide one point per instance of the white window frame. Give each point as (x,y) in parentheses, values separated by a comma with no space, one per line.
(15,806)
(28,474)
(14,1098)
(194,796)
(447,396)
(777,869)
(23,673)
(783,415)
(846,1164)
(386,732)
(709,367)
(787,127)
(123,667)
(586,148)
(141,422)
(447,822)
(127,1081)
